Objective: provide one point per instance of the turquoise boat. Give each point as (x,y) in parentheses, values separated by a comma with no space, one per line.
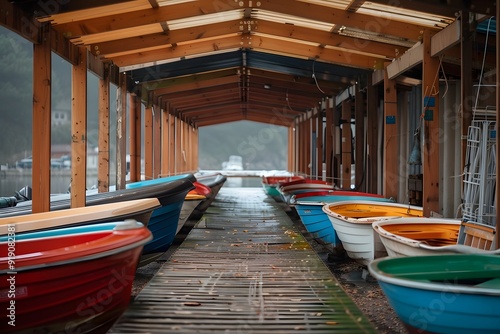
(316,221)
(449,294)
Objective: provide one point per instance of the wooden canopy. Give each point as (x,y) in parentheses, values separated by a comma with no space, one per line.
(221,61)
(206,62)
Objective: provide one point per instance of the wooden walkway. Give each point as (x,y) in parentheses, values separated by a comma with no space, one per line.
(244,268)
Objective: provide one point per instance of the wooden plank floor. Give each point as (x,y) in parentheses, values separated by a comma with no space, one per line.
(244,268)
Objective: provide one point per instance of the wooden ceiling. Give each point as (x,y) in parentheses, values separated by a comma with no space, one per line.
(215,61)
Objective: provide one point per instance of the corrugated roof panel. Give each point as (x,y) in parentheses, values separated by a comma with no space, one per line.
(290,19)
(340,4)
(404,15)
(171,2)
(119,34)
(201,20)
(85,14)
(371,36)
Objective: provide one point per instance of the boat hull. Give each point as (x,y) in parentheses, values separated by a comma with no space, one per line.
(271,184)
(70,283)
(289,189)
(215,183)
(455,294)
(352,220)
(405,236)
(190,203)
(317,223)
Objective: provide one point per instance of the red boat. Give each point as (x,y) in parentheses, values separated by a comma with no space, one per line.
(271,184)
(69,282)
(336,193)
(288,189)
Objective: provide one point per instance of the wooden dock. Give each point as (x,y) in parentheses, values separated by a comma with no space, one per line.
(244,268)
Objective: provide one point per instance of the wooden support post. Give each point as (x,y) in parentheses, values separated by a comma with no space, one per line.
(346,145)
(298,129)
(79,131)
(390,152)
(329,140)
(132,138)
(121,130)
(148,142)
(196,152)
(135,138)
(359,150)
(158,129)
(319,144)
(309,134)
(41,122)
(186,147)
(178,145)
(291,149)
(337,146)
(171,143)
(306,138)
(430,104)
(165,139)
(103,145)
(314,146)
(372,138)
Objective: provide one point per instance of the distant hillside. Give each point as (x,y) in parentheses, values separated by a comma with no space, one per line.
(262,146)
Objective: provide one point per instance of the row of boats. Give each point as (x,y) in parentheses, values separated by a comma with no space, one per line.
(71,270)
(440,275)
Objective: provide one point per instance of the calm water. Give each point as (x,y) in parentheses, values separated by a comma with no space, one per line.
(12,181)
(245,182)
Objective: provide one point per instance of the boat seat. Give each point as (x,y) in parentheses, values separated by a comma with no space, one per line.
(477,236)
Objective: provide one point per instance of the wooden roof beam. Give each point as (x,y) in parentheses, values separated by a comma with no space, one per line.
(204,101)
(149,16)
(201,85)
(142,16)
(328,38)
(410,59)
(158,40)
(258,42)
(444,8)
(189,82)
(446,38)
(342,17)
(177,52)
(299,83)
(302,50)
(283,87)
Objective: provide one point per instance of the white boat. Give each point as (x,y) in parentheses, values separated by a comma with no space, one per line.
(352,220)
(432,236)
(413,236)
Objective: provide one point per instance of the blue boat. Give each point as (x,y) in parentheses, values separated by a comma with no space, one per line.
(170,192)
(449,294)
(165,219)
(309,208)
